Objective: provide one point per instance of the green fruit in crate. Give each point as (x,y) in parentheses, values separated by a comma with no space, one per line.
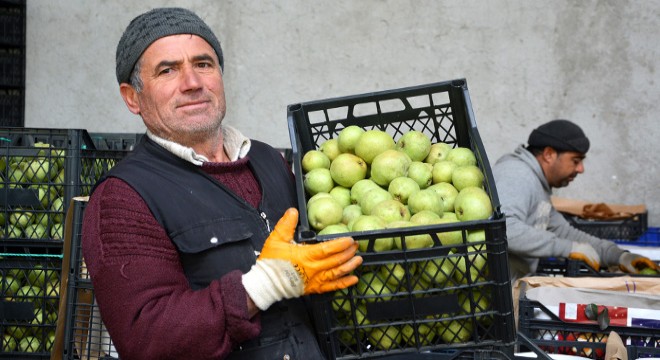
(315,159)
(10,285)
(2,215)
(648,271)
(394,274)
(317,181)
(42,219)
(454,331)
(342,195)
(334,229)
(57,231)
(448,238)
(17,332)
(472,203)
(421,173)
(330,148)
(59,180)
(29,344)
(402,187)
(411,241)
(21,218)
(481,305)
(389,165)
(324,212)
(350,213)
(442,171)
(16,175)
(438,270)
(360,188)
(447,193)
(467,176)
(425,199)
(424,332)
(9,343)
(373,197)
(370,223)
(340,301)
(385,337)
(52,316)
(50,340)
(35,231)
(57,209)
(424,217)
(415,144)
(30,293)
(373,143)
(462,156)
(438,152)
(39,276)
(40,170)
(348,137)
(391,210)
(316,197)
(347,169)
(476,257)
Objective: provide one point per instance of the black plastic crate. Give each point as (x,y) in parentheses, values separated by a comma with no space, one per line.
(40,171)
(626,229)
(12,23)
(12,105)
(84,333)
(116,141)
(12,67)
(29,293)
(576,268)
(474,297)
(555,336)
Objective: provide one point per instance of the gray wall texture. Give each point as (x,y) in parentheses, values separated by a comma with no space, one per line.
(526,62)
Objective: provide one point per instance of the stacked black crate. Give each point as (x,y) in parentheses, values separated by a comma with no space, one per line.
(12,62)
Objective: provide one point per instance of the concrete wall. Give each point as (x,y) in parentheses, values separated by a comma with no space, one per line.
(526,62)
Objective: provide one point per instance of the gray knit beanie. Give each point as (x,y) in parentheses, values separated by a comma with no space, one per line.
(156,24)
(561,135)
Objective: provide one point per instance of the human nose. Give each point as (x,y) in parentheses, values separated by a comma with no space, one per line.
(191,79)
(580,167)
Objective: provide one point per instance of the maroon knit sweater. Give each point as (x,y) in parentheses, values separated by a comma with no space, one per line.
(139,283)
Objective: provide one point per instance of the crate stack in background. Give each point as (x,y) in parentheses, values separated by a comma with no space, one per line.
(12,62)
(41,170)
(454,298)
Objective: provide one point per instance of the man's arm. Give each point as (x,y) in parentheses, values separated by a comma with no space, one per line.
(144,297)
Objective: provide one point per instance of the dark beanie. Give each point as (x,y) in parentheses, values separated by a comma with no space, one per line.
(156,24)
(561,135)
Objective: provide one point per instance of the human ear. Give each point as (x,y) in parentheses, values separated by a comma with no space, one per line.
(130,97)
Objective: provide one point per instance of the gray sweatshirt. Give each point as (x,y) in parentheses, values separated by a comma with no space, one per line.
(534,228)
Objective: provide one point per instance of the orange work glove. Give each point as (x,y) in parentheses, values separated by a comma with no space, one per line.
(586,253)
(286,269)
(632,263)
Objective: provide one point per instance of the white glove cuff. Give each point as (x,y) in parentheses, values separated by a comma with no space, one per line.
(270,280)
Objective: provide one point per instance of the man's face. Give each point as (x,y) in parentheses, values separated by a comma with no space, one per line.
(564,167)
(183,97)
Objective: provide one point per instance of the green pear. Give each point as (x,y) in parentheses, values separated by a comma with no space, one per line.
(423,331)
(475,259)
(342,195)
(373,197)
(466,176)
(438,270)
(317,196)
(9,343)
(447,193)
(425,199)
(422,173)
(348,138)
(424,217)
(391,210)
(389,165)
(402,187)
(411,241)
(454,331)
(347,169)
(330,148)
(442,171)
(462,156)
(360,188)
(472,203)
(438,152)
(57,210)
(385,337)
(315,159)
(369,223)
(341,302)
(350,213)
(372,143)
(448,238)
(415,144)
(394,273)
(29,344)
(334,229)
(9,284)
(318,180)
(323,212)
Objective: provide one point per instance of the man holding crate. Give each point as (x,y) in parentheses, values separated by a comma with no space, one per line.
(552,158)
(177,237)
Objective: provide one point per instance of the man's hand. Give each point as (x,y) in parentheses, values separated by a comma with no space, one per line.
(633,263)
(586,253)
(286,269)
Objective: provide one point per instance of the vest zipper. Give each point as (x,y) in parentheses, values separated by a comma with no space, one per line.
(265,218)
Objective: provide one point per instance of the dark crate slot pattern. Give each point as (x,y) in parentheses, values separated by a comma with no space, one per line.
(626,229)
(464,307)
(576,268)
(29,307)
(555,336)
(40,171)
